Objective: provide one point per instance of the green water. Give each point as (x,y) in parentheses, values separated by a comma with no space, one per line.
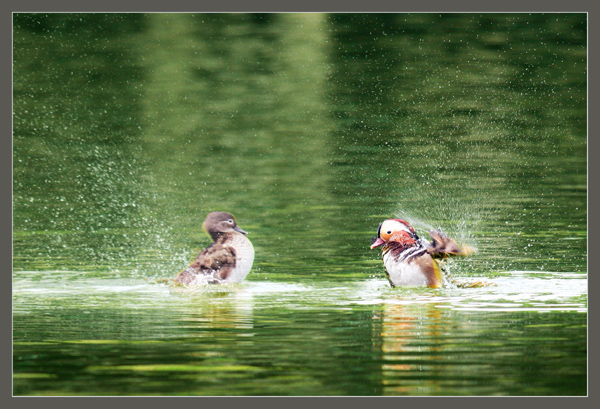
(311,129)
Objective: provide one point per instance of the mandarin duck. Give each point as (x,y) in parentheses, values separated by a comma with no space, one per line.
(409,261)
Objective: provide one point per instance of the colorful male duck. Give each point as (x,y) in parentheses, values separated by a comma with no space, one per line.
(409,261)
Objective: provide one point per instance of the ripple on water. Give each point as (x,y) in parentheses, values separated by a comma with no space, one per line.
(513,291)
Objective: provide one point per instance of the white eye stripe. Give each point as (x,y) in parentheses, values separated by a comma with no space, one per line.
(390,226)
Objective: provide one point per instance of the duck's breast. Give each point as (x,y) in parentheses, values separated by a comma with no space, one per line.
(244,259)
(414,272)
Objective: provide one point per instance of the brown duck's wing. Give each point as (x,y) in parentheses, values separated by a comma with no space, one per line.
(216,260)
(186,277)
(443,245)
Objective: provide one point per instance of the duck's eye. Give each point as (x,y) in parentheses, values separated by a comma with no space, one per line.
(230,221)
(386,234)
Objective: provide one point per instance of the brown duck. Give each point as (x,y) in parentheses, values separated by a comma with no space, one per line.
(227,260)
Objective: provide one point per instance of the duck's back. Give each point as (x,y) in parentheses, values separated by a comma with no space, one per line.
(229,259)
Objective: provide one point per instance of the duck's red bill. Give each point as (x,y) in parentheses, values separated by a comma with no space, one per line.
(376,242)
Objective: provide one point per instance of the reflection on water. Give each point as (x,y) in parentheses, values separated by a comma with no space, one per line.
(441,342)
(311,129)
(403,354)
(214,307)
(330,338)
(428,350)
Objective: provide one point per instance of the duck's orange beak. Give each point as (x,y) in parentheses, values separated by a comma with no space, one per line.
(376,242)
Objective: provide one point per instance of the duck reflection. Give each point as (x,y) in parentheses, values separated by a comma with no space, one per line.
(212,307)
(411,346)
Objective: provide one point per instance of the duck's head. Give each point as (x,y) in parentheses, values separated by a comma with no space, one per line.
(217,223)
(394,230)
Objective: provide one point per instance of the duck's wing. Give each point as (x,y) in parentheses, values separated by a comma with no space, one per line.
(442,245)
(216,262)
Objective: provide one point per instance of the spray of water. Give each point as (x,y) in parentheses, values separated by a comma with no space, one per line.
(456,218)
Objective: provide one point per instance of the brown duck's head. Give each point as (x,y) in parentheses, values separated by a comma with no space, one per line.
(394,230)
(217,223)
